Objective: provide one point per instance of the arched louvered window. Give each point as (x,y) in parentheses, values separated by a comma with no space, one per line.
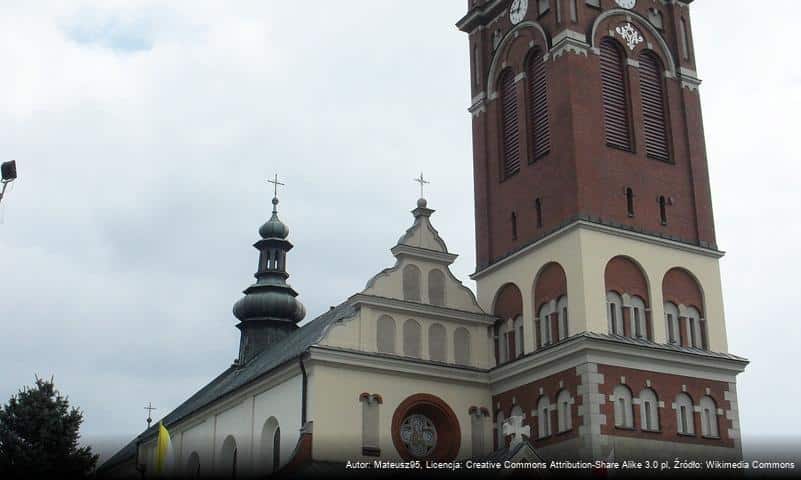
(652,93)
(539,130)
(615,96)
(509,123)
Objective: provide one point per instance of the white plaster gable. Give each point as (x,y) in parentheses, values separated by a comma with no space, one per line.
(422,247)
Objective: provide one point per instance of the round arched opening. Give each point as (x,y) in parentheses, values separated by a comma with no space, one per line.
(425,428)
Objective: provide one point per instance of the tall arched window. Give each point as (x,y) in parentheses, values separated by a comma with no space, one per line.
(411,283)
(544,325)
(638,320)
(649,413)
(270,445)
(500,438)
(228,457)
(385,334)
(436,343)
(461,346)
(685,423)
(694,327)
(629,201)
(544,417)
(672,323)
(539,130)
(652,94)
(411,338)
(436,287)
(561,307)
(510,127)
(624,418)
(563,410)
(615,96)
(518,329)
(193,466)
(709,417)
(614,313)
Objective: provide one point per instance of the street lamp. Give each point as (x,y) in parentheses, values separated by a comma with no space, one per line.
(9,174)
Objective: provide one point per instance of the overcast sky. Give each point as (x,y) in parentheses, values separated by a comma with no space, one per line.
(144,132)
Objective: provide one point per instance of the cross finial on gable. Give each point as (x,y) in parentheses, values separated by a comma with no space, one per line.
(422,181)
(514,426)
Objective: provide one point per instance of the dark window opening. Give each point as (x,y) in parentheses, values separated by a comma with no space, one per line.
(538,208)
(662,210)
(514,226)
(630,201)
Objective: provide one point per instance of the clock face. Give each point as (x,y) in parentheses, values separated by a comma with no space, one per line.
(518,10)
(626,3)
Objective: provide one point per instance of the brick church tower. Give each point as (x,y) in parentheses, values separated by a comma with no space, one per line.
(594,230)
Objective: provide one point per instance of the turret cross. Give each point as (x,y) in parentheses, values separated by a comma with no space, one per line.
(149,409)
(422,181)
(275,183)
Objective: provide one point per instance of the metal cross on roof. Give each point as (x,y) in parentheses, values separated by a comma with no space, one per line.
(149,409)
(275,183)
(422,181)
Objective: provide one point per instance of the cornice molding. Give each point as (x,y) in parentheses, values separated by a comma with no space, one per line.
(394,365)
(581,223)
(423,309)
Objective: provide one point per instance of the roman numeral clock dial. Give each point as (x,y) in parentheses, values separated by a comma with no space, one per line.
(626,3)
(518,11)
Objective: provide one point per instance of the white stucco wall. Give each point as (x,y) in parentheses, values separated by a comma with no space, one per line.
(337,412)
(584,253)
(242,416)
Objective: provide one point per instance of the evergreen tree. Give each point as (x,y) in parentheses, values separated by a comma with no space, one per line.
(39,435)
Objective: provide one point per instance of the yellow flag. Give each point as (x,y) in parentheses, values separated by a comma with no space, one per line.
(163,451)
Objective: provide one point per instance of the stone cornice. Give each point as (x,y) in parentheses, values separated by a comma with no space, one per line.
(478,14)
(599,227)
(394,364)
(585,348)
(424,253)
(423,309)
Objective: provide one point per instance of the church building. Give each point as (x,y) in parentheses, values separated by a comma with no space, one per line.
(597,328)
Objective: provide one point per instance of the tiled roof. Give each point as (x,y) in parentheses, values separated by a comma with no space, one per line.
(233,378)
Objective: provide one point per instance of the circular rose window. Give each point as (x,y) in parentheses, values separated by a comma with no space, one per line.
(425,427)
(419,435)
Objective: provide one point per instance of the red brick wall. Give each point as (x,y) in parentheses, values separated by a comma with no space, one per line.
(509,302)
(680,287)
(624,276)
(667,387)
(527,397)
(551,284)
(581,177)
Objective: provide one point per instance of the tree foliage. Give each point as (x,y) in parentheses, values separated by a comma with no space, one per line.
(39,435)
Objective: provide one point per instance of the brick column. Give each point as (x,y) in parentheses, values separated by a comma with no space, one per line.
(626,309)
